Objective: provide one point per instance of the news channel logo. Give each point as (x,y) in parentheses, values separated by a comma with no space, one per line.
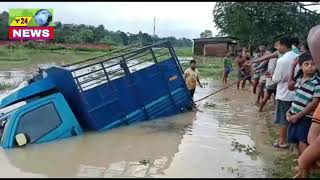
(43,17)
(31,17)
(31,24)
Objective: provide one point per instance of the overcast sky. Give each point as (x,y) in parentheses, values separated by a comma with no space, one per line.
(179,19)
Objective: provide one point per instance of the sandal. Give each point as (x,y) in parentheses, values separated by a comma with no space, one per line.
(277,145)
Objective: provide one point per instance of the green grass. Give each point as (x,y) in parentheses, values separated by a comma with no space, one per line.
(28,59)
(284,165)
(183,51)
(211,67)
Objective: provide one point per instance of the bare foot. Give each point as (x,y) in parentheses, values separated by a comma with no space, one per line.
(195,108)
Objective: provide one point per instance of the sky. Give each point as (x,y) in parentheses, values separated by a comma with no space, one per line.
(179,19)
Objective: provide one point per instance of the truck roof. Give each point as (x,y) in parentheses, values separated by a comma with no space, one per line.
(29,91)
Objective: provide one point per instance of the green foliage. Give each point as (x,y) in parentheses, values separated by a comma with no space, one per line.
(183,51)
(28,59)
(260,22)
(73,33)
(211,67)
(206,34)
(30,45)
(4,16)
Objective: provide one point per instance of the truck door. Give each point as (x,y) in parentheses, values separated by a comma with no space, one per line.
(45,122)
(39,122)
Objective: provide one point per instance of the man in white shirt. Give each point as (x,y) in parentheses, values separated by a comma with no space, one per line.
(284,97)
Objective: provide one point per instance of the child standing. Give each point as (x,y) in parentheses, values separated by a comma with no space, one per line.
(227,68)
(312,153)
(191,76)
(306,99)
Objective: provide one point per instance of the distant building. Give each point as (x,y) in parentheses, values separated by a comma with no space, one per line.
(215,46)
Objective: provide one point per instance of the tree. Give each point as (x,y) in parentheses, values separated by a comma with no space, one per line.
(98,33)
(206,34)
(81,33)
(58,36)
(86,36)
(58,24)
(256,23)
(124,38)
(4,18)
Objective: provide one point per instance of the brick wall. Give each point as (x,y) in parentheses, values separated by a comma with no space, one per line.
(217,50)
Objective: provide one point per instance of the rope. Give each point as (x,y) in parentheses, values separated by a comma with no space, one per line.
(225,87)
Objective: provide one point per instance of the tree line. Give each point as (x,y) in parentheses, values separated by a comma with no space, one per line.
(257,23)
(73,33)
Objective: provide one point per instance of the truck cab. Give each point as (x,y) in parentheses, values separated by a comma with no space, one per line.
(32,116)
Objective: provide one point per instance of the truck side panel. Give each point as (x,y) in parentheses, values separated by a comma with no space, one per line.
(152,92)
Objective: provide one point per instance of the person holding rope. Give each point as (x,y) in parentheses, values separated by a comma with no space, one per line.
(270,88)
(248,69)
(277,54)
(263,67)
(191,76)
(256,74)
(240,60)
(284,97)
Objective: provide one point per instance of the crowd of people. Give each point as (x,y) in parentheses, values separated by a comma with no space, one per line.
(288,71)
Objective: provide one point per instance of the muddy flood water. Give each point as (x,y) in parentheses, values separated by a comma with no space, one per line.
(224,139)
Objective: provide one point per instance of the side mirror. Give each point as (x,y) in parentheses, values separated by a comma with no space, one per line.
(21,139)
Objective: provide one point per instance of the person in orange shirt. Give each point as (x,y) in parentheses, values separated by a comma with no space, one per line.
(191,76)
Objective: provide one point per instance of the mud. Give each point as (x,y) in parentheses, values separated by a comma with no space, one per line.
(193,144)
(225,138)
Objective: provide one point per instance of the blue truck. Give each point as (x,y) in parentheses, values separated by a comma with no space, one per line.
(121,89)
